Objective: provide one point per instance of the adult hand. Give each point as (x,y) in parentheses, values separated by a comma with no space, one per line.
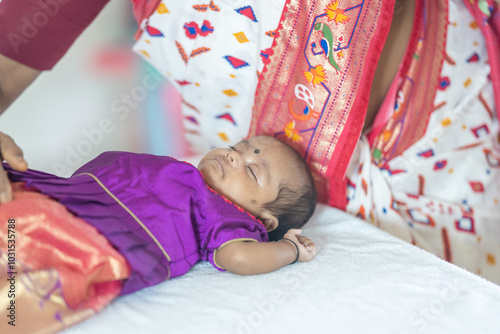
(14,78)
(307,248)
(13,155)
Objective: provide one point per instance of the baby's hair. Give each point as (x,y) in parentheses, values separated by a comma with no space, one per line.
(295,204)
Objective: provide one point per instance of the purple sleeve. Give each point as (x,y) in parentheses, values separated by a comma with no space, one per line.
(231,230)
(37,33)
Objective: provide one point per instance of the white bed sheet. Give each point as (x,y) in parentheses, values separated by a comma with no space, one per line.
(363,280)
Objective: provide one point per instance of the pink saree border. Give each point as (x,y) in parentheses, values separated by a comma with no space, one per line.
(421,68)
(490,27)
(387,107)
(332,136)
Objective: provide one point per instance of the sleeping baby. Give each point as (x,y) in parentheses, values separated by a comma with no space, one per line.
(126,221)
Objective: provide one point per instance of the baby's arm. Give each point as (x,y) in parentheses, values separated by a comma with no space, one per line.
(248,258)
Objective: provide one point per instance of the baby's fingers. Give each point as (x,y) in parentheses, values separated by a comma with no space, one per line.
(308,248)
(305,241)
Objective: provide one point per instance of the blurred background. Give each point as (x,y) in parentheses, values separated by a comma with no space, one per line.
(99,97)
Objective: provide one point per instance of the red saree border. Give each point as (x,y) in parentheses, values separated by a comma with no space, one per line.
(354,125)
(387,107)
(304,69)
(143,9)
(489,23)
(418,85)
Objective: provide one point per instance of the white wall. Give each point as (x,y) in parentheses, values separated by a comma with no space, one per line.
(71,114)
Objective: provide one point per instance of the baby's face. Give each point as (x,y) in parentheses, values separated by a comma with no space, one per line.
(249,173)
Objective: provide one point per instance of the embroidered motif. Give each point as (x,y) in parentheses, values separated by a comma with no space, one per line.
(426,154)
(303,93)
(315,75)
(144,52)
(446,245)
(477,186)
(326,44)
(204,8)
(248,12)
(336,14)
(227,117)
(449,60)
(223,136)
(199,51)
(229,92)
(241,37)
(153,32)
(444,82)
(265,54)
(235,62)
(182,52)
(465,224)
(480,131)
(474,58)
(190,106)
(183,82)
(162,9)
(192,120)
(271,33)
(292,133)
(440,164)
(192,29)
(301,110)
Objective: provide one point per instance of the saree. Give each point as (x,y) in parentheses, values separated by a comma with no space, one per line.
(51,288)
(428,169)
(314,92)
(213,53)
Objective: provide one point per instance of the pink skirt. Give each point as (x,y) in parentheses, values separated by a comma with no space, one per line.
(59,268)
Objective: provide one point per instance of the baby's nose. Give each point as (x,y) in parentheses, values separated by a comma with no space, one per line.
(232,158)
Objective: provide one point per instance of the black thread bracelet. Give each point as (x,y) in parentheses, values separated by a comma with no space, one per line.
(293,242)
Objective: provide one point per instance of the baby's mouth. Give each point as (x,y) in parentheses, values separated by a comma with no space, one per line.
(221,164)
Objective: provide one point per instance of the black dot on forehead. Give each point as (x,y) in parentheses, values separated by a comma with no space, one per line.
(257,151)
(254,201)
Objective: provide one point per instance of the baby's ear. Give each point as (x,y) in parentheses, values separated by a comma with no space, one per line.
(270,221)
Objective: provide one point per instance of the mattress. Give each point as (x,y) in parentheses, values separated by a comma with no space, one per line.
(362,280)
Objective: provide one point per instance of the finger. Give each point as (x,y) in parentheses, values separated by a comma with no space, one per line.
(313,249)
(304,240)
(295,231)
(11,153)
(310,246)
(308,243)
(5,189)
(303,237)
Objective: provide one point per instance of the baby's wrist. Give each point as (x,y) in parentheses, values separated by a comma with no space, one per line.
(289,241)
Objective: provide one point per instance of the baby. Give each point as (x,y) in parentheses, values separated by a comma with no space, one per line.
(271,181)
(159,216)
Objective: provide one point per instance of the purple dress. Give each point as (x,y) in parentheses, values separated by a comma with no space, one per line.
(156,211)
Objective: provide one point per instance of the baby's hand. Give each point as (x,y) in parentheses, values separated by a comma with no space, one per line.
(307,248)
